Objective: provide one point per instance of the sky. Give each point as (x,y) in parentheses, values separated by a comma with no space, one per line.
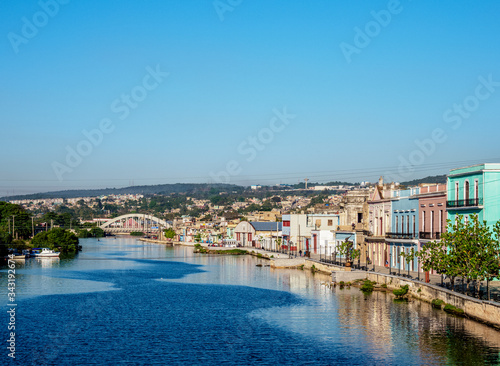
(101,94)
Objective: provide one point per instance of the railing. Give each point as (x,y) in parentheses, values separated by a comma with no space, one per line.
(429,235)
(400,235)
(471,202)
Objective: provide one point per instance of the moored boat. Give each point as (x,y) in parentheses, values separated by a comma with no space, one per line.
(46,253)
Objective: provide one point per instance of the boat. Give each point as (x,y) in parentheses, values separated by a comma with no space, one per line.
(46,253)
(15,254)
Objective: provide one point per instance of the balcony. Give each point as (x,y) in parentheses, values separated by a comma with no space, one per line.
(429,235)
(471,202)
(400,235)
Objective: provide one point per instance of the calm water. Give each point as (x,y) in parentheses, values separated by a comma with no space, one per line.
(124,302)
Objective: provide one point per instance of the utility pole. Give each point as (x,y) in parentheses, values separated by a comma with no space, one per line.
(13,225)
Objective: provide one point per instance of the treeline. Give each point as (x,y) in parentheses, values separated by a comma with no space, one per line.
(165,189)
(469,249)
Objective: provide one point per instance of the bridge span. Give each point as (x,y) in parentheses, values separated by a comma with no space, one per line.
(134,222)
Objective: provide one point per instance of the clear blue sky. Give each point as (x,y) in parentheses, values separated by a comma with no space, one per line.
(230,66)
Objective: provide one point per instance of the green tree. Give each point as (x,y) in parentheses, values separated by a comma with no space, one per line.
(169,233)
(347,248)
(56,238)
(469,249)
(97,232)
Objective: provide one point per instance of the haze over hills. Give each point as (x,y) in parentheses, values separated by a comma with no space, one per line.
(441,179)
(167,189)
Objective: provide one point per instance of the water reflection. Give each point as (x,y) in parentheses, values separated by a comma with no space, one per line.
(333,319)
(48,262)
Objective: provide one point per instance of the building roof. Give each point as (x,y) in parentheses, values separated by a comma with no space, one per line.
(266,226)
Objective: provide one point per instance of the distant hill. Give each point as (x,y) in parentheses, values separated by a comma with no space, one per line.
(165,189)
(431,179)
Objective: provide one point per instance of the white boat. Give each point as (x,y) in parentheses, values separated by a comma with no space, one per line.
(46,253)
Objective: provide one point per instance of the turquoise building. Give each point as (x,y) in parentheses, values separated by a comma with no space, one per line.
(474,190)
(404,229)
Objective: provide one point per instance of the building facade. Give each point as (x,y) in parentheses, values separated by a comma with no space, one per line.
(474,190)
(380,221)
(404,233)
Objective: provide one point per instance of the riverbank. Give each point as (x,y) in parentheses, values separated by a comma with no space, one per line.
(487,312)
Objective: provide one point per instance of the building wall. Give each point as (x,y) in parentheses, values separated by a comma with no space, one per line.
(433,213)
(405,219)
(491,197)
(405,208)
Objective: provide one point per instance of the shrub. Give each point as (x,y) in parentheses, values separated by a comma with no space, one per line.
(401,291)
(453,310)
(384,285)
(301,267)
(259,255)
(313,268)
(436,303)
(367,286)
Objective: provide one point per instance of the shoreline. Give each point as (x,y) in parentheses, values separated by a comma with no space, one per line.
(482,311)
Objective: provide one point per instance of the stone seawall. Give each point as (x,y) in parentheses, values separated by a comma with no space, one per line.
(484,311)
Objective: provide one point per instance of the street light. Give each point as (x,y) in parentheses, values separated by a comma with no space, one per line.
(289,245)
(373,260)
(390,260)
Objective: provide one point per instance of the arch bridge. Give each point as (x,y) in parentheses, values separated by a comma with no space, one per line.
(134,222)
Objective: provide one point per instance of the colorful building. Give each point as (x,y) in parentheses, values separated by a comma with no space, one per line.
(433,215)
(379,224)
(404,228)
(475,190)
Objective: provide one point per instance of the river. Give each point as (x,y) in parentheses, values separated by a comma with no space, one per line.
(121,301)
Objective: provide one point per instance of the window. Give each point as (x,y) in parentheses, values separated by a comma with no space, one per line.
(408,224)
(423,221)
(476,189)
(414,224)
(397,223)
(249,236)
(440,221)
(432,222)
(466,192)
(330,222)
(286,223)
(360,217)
(456,191)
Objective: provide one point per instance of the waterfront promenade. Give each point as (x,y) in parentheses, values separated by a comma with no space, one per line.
(434,279)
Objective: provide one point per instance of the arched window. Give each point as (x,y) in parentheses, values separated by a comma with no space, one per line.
(466,192)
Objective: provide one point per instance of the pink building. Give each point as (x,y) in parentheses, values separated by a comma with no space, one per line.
(432,216)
